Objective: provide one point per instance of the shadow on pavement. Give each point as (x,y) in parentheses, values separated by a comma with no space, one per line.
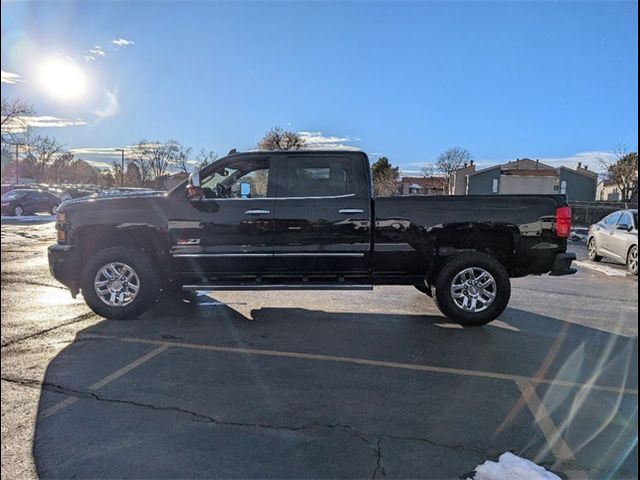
(190,411)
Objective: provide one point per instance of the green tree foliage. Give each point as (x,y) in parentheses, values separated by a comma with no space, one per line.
(385,177)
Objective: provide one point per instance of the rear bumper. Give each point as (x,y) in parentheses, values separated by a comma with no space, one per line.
(562,264)
(63,266)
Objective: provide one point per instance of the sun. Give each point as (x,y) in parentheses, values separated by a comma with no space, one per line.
(62,79)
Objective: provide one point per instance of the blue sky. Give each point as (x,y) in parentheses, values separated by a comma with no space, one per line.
(555,81)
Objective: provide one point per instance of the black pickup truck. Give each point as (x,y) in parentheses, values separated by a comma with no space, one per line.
(305,220)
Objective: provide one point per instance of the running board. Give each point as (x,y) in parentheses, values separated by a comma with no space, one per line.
(311,286)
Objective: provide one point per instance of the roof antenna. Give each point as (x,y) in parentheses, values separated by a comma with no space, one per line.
(232,151)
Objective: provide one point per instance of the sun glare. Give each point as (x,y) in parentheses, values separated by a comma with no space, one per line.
(62,79)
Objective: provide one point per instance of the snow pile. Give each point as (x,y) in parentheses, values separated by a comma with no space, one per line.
(29,218)
(512,467)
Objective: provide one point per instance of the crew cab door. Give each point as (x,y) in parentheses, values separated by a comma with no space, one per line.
(230,229)
(322,214)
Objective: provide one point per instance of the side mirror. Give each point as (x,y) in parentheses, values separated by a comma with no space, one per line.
(194,179)
(194,192)
(624,227)
(245,190)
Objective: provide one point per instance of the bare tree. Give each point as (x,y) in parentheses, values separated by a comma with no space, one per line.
(622,170)
(118,174)
(13,120)
(279,139)
(446,165)
(41,151)
(154,158)
(204,158)
(183,158)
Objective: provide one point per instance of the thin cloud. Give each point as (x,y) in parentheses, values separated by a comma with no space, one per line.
(20,124)
(95,53)
(319,141)
(122,43)
(11,78)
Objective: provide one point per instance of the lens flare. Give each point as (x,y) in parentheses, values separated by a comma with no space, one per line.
(62,79)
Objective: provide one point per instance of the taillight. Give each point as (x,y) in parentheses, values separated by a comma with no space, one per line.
(61,228)
(563,222)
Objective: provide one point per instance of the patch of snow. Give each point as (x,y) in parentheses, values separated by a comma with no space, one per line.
(512,467)
(608,271)
(28,218)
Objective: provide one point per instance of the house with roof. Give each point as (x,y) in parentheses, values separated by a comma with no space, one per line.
(526,176)
(422,186)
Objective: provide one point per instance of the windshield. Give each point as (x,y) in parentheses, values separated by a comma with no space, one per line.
(13,194)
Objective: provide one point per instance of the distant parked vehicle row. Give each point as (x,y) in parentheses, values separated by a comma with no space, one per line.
(20,202)
(616,237)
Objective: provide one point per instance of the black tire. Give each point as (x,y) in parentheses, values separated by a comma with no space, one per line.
(632,265)
(457,264)
(149,282)
(421,287)
(592,250)
(18,211)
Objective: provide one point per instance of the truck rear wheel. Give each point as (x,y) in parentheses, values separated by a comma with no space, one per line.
(472,288)
(120,283)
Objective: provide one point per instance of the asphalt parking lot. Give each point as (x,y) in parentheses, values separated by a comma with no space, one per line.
(314,384)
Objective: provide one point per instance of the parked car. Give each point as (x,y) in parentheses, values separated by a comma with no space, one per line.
(20,202)
(305,220)
(616,237)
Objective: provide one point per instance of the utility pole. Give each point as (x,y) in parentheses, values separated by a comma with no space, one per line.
(18,145)
(121,150)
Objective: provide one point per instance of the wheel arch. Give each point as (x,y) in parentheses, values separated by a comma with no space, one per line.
(90,239)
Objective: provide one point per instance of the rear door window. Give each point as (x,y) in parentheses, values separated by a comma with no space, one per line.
(301,176)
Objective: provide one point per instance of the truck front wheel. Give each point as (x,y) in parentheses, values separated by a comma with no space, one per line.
(472,288)
(120,283)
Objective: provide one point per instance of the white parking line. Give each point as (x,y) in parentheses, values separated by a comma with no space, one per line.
(369,362)
(106,380)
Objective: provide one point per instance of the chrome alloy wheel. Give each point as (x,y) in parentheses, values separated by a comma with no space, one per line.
(117,284)
(593,250)
(473,289)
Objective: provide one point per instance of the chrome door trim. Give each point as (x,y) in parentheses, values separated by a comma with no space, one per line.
(196,255)
(320,254)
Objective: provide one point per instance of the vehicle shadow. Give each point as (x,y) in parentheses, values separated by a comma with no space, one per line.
(232,397)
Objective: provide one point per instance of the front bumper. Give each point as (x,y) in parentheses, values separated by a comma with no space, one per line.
(562,264)
(64,266)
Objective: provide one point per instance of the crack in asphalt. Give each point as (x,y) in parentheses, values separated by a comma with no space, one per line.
(76,319)
(379,467)
(375,445)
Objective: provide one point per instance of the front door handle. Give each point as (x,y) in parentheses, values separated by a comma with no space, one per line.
(350,211)
(257,212)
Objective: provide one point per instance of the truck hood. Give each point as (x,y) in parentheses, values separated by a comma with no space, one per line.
(100,201)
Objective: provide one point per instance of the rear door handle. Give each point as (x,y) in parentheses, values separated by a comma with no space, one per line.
(350,211)
(257,212)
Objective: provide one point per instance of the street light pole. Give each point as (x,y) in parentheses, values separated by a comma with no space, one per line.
(121,150)
(17,145)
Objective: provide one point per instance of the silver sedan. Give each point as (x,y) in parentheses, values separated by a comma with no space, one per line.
(616,237)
